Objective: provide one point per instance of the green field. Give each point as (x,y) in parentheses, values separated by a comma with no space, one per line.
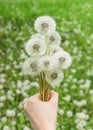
(75,24)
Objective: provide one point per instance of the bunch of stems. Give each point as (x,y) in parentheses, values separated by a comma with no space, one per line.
(45,88)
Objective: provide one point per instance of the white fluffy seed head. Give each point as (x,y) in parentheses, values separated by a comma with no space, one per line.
(47,63)
(82,116)
(69,114)
(60,111)
(83,122)
(77,121)
(36,46)
(54,77)
(10,113)
(43,24)
(79,126)
(91,92)
(67,98)
(54,49)
(26,128)
(64,59)
(6,128)
(3,119)
(31,66)
(53,38)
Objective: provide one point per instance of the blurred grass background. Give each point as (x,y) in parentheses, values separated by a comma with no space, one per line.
(75,23)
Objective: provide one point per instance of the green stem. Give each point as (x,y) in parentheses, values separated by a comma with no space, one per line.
(44,87)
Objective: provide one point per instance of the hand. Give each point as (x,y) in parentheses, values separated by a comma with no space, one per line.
(42,115)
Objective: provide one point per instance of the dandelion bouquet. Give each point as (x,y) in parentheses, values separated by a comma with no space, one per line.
(47,59)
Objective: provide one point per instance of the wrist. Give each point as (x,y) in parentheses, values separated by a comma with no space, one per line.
(48,127)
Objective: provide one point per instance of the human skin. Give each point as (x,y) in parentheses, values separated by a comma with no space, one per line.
(42,115)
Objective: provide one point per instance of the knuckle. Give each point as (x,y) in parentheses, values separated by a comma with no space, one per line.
(31,100)
(55,101)
(57,94)
(25,106)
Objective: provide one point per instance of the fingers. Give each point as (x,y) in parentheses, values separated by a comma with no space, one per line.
(25,109)
(31,100)
(36,99)
(54,97)
(27,112)
(30,103)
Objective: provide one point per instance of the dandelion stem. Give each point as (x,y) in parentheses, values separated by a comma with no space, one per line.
(44,87)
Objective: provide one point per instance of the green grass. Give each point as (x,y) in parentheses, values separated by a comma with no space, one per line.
(17,25)
(30,9)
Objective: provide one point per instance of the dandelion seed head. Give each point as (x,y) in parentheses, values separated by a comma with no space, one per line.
(47,63)
(10,113)
(54,49)
(31,66)
(54,77)
(64,59)
(43,24)
(53,38)
(69,114)
(35,46)
(6,127)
